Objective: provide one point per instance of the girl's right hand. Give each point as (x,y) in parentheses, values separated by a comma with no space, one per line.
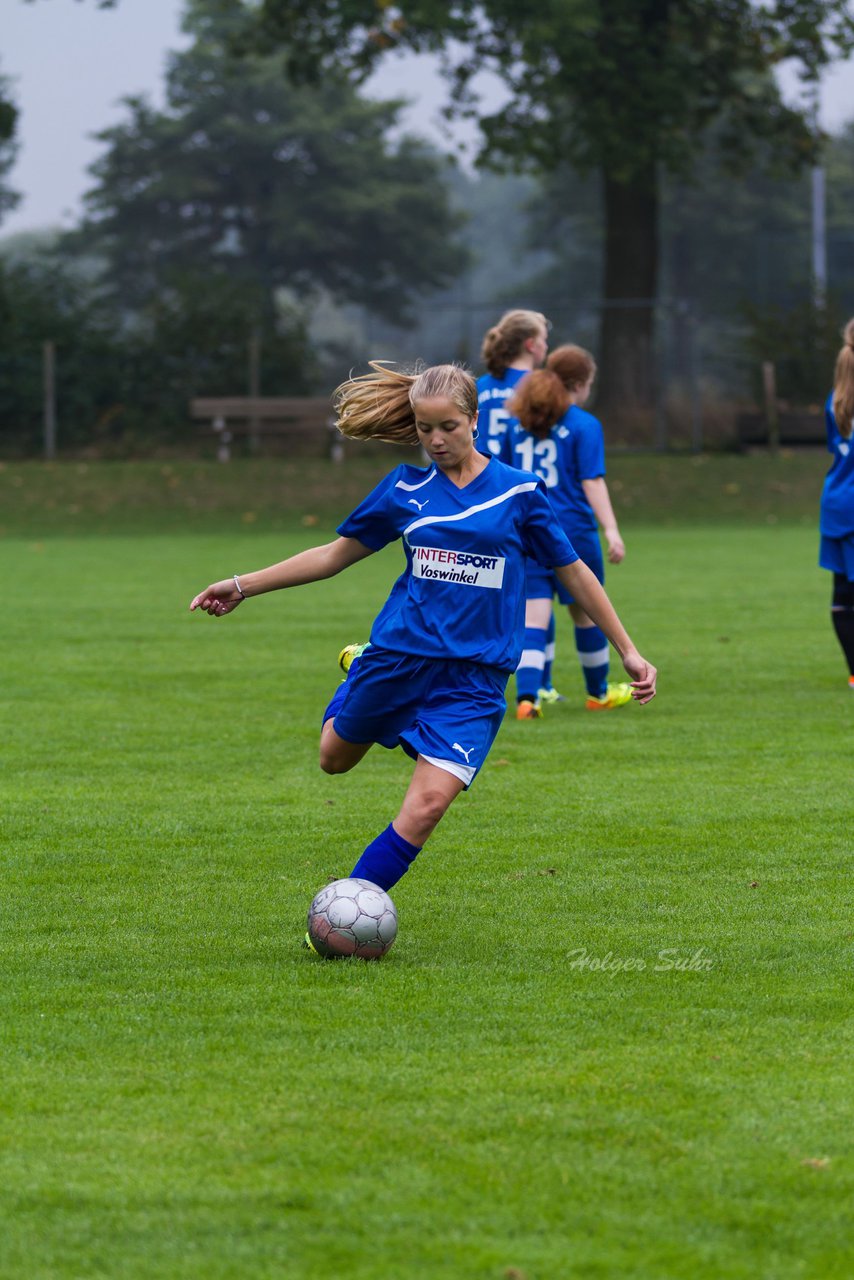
(218,599)
(616,546)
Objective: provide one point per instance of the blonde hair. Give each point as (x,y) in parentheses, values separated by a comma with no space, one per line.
(379,405)
(506,340)
(543,396)
(843,383)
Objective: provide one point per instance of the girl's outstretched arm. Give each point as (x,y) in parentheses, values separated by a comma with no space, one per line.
(306,566)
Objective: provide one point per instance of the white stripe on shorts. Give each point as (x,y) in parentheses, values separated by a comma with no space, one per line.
(465,773)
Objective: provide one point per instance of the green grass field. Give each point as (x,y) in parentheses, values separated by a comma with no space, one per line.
(613,1038)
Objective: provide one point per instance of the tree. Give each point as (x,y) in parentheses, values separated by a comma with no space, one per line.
(839,163)
(625,88)
(250,181)
(8,147)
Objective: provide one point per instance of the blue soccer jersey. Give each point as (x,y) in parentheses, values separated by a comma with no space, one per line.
(462,592)
(573,451)
(493,419)
(837,498)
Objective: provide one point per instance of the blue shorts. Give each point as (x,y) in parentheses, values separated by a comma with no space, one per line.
(542,584)
(837,555)
(444,709)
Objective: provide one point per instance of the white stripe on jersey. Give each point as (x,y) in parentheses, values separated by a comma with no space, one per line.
(472,511)
(410,488)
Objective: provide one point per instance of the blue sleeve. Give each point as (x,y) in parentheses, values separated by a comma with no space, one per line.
(542,537)
(590,455)
(372,522)
(830,423)
(505,443)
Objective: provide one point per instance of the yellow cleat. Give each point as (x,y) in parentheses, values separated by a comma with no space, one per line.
(617,695)
(550,696)
(348,654)
(308,945)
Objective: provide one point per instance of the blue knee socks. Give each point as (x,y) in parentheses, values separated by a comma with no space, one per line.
(592,646)
(529,673)
(386,859)
(550,654)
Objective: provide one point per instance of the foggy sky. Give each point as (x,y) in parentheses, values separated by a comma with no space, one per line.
(70,63)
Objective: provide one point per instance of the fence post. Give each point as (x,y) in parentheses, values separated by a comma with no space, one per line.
(661,316)
(772,415)
(49,397)
(694,382)
(223,449)
(254,387)
(336,444)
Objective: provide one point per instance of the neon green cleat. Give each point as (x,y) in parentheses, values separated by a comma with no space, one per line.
(308,945)
(617,696)
(348,653)
(550,696)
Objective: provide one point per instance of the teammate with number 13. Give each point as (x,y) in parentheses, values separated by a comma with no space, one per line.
(553,436)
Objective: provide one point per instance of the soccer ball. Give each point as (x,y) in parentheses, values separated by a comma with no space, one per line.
(352,918)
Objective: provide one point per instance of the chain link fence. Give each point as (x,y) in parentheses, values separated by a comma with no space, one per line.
(707,377)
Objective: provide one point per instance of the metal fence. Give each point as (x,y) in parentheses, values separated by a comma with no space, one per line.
(707,376)
(703,374)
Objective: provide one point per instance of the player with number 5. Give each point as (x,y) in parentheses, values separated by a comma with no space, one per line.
(510,349)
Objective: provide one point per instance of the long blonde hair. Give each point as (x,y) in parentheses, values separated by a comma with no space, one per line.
(505,341)
(379,405)
(843,383)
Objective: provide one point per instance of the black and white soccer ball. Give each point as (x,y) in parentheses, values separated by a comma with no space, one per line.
(352,918)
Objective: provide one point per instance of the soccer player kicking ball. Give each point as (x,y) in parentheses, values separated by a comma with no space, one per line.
(442,648)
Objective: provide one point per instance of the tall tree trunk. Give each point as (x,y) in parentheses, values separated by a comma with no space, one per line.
(626,384)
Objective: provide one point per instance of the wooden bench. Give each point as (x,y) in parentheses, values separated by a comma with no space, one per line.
(304,420)
(795,427)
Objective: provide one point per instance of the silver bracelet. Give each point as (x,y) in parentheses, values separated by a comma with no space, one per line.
(240,590)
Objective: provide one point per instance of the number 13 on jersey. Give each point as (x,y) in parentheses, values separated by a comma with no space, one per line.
(540,457)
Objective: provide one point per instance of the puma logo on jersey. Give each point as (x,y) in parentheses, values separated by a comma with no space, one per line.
(419,505)
(462,750)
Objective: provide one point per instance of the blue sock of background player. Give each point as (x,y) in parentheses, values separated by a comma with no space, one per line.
(546,682)
(529,673)
(593,654)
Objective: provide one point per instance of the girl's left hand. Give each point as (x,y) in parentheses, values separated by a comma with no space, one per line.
(643,675)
